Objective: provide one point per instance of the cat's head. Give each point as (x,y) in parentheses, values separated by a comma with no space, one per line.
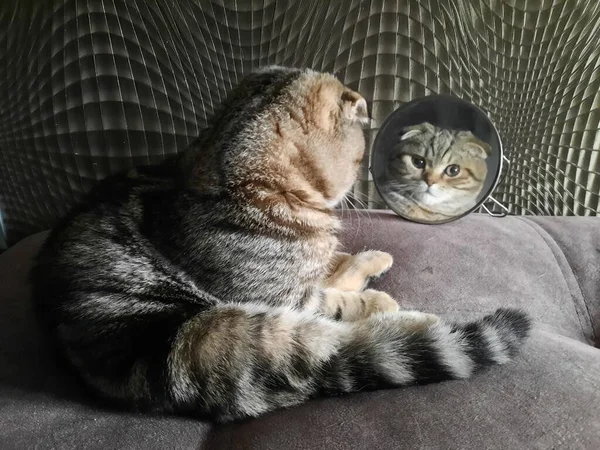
(438,169)
(291,135)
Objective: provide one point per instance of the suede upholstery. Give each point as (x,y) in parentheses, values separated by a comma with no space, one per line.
(549,397)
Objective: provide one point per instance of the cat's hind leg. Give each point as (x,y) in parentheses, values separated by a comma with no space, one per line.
(353,272)
(359,305)
(354,305)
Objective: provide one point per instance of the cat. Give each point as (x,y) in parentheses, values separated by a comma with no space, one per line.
(212,285)
(434,173)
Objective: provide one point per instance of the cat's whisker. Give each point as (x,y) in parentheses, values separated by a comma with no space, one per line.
(357,212)
(364,208)
(363,205)
(355,195)
(340,207)
(344,205)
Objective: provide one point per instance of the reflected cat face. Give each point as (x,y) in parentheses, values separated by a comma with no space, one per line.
(438,170)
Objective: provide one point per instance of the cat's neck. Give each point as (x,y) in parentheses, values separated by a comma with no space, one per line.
(286,205)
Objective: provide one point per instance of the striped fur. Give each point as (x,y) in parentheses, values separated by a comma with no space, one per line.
(210,285)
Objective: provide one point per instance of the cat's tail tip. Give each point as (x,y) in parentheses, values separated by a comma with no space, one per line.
(496,338)
(513,325)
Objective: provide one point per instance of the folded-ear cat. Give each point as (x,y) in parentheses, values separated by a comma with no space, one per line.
(212,284)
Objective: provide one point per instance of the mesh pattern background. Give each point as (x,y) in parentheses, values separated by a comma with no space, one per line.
(90,87)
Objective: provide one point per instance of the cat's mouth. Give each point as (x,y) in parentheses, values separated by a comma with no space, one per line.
(427,191)
(430,197)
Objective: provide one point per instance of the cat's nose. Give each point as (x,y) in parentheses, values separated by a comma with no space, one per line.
(429,180)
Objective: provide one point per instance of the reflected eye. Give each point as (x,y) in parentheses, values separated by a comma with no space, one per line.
(418,162)
(452,170)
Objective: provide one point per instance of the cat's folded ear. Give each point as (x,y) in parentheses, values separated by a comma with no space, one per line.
(477,146)
(355,107)
(414,130)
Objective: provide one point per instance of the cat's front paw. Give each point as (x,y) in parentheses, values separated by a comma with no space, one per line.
(353,272)
(374,264)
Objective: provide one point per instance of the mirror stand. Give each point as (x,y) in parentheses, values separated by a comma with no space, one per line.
(491,206)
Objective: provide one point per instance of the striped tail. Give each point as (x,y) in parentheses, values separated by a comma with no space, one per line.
(239,361)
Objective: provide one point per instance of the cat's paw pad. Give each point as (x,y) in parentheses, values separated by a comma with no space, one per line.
(378,302)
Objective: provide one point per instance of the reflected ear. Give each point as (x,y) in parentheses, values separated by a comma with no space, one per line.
(477,146)
(355,107)
(414,130)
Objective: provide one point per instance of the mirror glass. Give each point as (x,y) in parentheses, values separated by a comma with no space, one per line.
(436,159)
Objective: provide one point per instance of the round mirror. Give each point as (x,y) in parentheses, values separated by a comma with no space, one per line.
(436,159)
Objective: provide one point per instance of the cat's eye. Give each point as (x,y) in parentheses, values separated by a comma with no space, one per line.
(452,170)
(418,162)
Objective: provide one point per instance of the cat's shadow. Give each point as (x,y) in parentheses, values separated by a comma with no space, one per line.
(29,363)
(32,369)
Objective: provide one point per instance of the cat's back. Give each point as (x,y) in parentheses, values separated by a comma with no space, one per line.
(113,205)
(99,243)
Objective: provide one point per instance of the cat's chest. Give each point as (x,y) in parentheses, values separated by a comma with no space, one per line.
(248,268)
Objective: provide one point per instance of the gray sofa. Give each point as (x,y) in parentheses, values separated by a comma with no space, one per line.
(548,398)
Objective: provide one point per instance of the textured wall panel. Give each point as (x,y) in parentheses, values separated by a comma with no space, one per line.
(92,86)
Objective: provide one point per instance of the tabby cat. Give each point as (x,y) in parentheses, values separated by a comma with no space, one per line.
(211,285)
(436,173)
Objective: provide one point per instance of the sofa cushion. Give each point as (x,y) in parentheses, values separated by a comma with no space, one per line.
(464,268)
(547,398)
